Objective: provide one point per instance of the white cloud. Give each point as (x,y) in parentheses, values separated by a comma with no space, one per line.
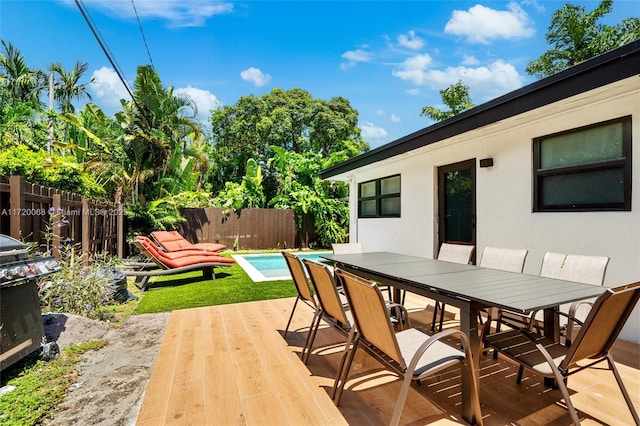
(470,60)
(411,40)
(413,69)
(394,118)
(255,76)
(353,57)
(205,101)
(380,111)
(485,82)
(178,13)
(413,92)
(371,133)
(106,86)
(480,24)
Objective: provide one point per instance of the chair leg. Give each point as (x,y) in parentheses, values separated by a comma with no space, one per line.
(315,324)
(520,370)
(623,389)
(345,371)
(342,360)
(291,316)
(402,397)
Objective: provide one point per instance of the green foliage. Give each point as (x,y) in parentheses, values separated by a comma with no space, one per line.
(301,189)
(575,36)
(292,120)
(456,97)
(247,194)
(79,287)
(54,171)
(40,386)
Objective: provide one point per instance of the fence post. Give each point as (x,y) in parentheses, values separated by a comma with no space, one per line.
(86,228)
(16,204)
(56,225)
(120,232)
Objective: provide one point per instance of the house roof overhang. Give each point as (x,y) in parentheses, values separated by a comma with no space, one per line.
(607,68)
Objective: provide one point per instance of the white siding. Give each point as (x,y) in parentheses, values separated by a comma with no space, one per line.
(504,192)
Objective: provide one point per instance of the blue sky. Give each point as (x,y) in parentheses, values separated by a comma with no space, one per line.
(388,58)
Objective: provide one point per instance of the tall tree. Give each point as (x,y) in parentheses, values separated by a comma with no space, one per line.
(67,86)
(19,82)
(575,36)
(456,97)
(289,119)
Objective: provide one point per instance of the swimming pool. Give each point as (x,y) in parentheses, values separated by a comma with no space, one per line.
(272,266)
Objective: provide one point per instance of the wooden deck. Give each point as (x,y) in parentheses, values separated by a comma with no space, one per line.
(230,364)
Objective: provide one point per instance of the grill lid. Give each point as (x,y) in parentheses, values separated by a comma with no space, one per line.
(11,249)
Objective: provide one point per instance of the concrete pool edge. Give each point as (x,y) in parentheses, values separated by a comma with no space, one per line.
(256,275)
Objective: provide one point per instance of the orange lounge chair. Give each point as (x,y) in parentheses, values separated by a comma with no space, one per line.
(175,263)
(172,241)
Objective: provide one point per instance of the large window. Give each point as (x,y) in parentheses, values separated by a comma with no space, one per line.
(585,169)
(379,198)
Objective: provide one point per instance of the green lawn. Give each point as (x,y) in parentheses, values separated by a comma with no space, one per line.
(189,290)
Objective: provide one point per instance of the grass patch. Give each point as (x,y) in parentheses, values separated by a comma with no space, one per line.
(189,290)
(40,385)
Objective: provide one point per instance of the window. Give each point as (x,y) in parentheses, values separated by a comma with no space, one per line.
(379,198)
(585,169)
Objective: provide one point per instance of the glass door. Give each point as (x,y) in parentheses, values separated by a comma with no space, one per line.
(457,203)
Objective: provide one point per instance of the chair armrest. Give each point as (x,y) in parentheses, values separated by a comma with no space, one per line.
(393,306)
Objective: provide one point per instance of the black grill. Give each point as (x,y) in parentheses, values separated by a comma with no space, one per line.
(21,326)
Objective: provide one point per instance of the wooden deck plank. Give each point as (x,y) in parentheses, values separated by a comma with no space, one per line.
(231,364)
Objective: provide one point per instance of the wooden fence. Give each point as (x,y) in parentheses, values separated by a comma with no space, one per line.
(247,228)
(49,217)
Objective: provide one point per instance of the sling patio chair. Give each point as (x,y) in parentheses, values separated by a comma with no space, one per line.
(172,241)
(305,293)
(334,308)
(569,267)
(411,353)
(174,263)
(591,346)
(456,253)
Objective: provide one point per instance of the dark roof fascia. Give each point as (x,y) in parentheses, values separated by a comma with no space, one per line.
(607,68)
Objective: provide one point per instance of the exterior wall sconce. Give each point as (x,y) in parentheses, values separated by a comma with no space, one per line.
(486,162)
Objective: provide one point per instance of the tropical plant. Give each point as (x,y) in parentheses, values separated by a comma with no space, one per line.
(19,82)
(456,97)
(292,120)
(576,36)
(67,86)
(248,194)
(300,188)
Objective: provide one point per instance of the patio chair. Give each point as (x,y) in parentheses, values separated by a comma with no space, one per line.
(591,346)
(305,293)
(456,253)
(412,354)
(169,264)
(570,267)
(354,248)
(334,307)
(172,241)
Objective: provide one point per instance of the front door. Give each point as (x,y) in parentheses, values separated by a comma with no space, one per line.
(457,203)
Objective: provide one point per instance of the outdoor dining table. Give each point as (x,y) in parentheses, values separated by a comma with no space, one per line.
(471,289)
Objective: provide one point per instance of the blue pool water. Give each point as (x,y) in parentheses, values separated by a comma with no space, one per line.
(269,267)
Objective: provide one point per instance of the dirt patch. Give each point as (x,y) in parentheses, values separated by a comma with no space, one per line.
(112,380)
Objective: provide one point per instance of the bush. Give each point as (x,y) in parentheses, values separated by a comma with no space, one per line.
(78,288)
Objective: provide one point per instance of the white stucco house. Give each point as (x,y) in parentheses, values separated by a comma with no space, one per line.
(548,167)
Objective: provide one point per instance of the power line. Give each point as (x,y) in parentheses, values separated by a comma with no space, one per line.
(103,46)
(144,39)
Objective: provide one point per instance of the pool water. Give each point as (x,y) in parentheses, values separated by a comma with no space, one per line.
(272,266)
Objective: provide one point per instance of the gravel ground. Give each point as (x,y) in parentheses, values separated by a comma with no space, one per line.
(111,382)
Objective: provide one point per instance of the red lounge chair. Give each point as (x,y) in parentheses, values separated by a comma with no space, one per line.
(175,263)
(172,241)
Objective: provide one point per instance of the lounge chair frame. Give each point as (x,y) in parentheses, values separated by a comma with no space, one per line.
(143,274)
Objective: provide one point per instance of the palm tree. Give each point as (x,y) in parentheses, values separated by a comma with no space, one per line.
(21,83)
(67,87)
